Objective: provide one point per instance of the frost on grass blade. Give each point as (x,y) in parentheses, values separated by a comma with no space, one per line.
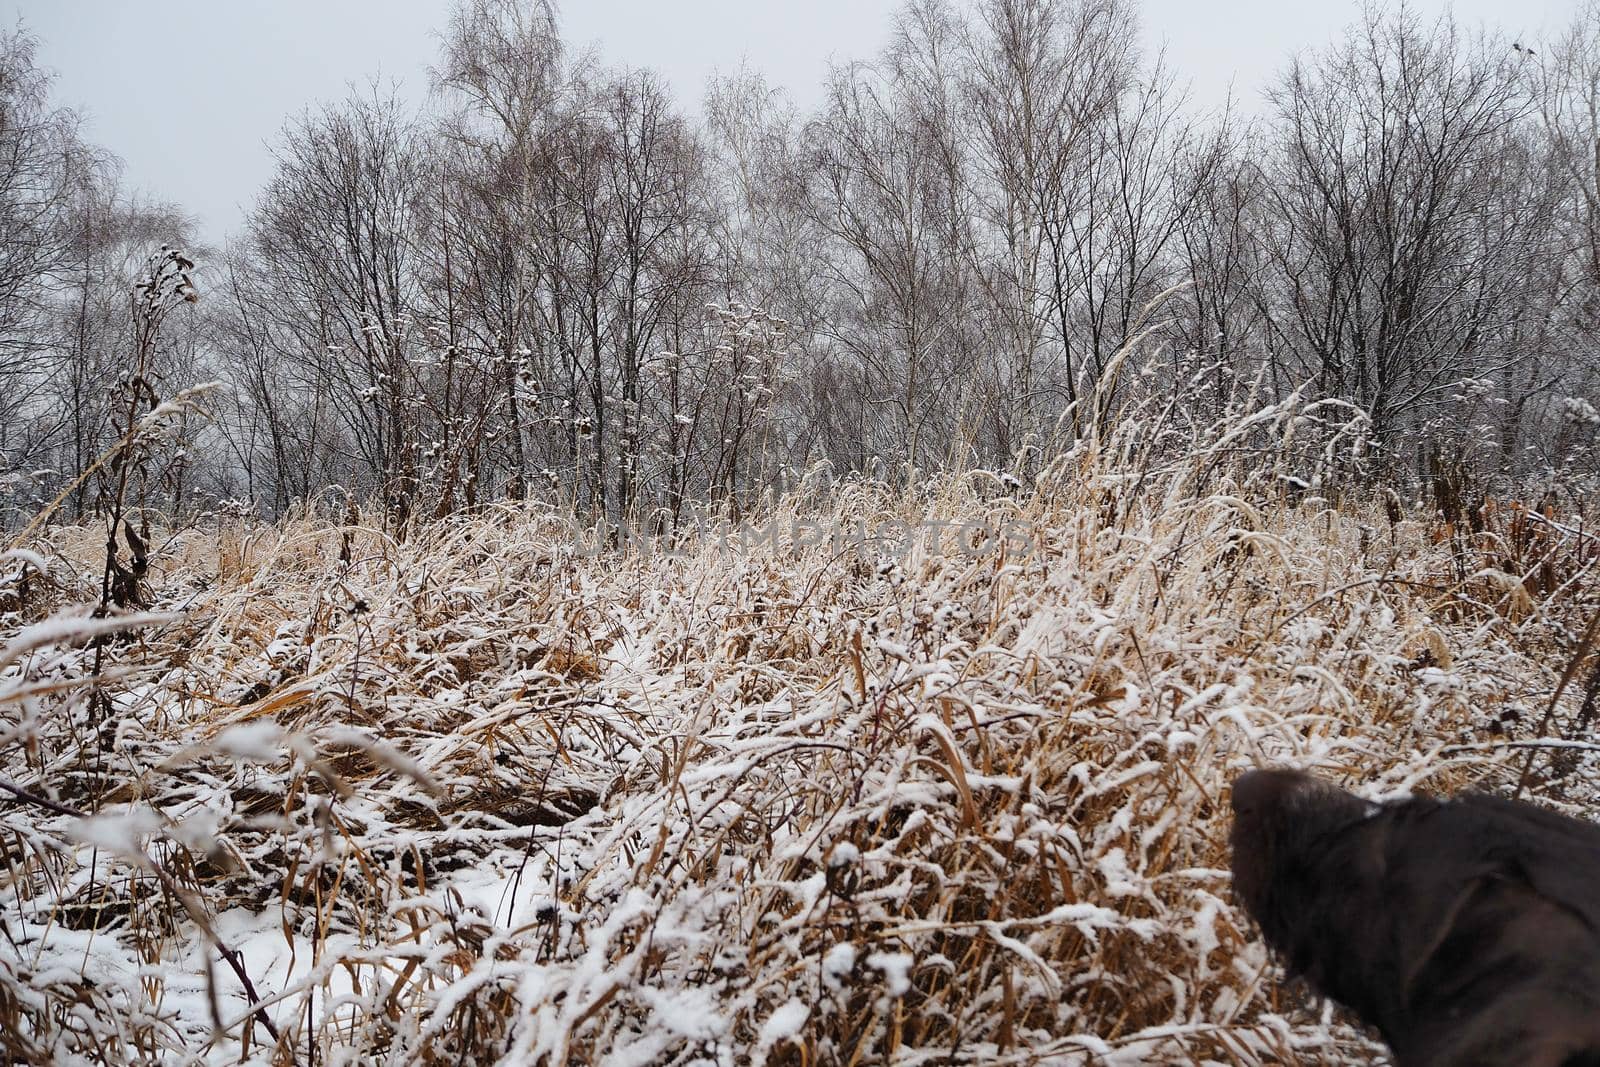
(73,627)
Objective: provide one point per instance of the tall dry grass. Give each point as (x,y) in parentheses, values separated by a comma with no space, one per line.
(480,796)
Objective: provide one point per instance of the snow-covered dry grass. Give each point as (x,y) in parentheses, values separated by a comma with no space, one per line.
(836,794)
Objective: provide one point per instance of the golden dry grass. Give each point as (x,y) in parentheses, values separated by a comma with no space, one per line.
(479,796)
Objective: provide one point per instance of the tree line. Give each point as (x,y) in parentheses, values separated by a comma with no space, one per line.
(552,281)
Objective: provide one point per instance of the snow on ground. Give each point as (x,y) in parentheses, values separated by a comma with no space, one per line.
(481,795)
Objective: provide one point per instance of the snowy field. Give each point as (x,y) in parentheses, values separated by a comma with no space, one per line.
(851,787)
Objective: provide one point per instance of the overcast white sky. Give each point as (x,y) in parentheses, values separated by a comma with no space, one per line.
(189,95)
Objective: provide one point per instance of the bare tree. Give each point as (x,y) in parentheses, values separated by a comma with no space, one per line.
(45,171)
(336,227)
(1396,225)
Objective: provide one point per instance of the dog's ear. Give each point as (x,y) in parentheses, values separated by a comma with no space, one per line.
(1558,856)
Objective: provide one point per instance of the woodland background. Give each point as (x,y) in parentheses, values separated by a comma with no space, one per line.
(549,282)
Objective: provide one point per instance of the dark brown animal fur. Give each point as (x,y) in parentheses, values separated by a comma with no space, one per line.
(1466,931)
